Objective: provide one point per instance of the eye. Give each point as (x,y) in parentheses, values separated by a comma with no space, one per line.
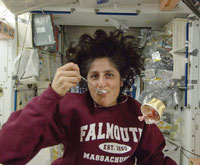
(109,75)
(94,76)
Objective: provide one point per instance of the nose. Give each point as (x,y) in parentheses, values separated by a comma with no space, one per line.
(101,82)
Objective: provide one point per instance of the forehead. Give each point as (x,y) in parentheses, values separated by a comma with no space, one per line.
(102,64)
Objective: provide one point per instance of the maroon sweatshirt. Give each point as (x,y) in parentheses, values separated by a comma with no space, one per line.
(90,134)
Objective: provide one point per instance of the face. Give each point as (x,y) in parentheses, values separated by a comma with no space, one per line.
(104,75)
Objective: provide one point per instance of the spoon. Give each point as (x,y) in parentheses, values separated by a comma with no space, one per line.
(98,91)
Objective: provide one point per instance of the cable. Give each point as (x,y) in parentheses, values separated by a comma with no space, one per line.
(189,151)
(183,148)
(192,6)
(185,155)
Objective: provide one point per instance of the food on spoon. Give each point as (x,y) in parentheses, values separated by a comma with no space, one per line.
(101,91)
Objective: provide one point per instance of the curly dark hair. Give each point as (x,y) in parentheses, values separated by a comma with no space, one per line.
(118,48)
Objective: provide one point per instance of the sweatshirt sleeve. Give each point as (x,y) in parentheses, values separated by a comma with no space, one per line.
(28,130)
(150,148)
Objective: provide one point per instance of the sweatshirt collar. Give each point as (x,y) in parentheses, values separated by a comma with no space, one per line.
(122,99)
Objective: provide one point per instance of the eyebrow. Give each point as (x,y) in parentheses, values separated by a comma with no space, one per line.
(106,71)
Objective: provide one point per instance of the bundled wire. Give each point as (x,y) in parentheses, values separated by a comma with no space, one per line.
(183,149)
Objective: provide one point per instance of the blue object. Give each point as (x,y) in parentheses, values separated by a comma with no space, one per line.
(50,12)
(102,1)
(186,64)
(111,13)
(15,101)
(134,92)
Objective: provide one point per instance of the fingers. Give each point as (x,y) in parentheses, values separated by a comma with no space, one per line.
(141,118)
(69,66)
(66,77)
(73,73)
(63,81)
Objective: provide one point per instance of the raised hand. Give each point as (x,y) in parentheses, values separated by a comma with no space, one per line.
(66,77)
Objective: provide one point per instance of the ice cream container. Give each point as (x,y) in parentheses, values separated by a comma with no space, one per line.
(154,104)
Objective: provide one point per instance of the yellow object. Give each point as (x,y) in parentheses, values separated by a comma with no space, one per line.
(164,126)
(55,153)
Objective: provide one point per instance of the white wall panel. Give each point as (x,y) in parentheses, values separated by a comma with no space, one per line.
(190,138)
(1,104)
(43,158)
(3,60)
(197,134)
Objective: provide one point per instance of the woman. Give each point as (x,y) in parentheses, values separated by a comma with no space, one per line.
(94,127)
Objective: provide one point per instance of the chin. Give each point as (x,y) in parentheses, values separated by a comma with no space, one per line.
(105,104)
